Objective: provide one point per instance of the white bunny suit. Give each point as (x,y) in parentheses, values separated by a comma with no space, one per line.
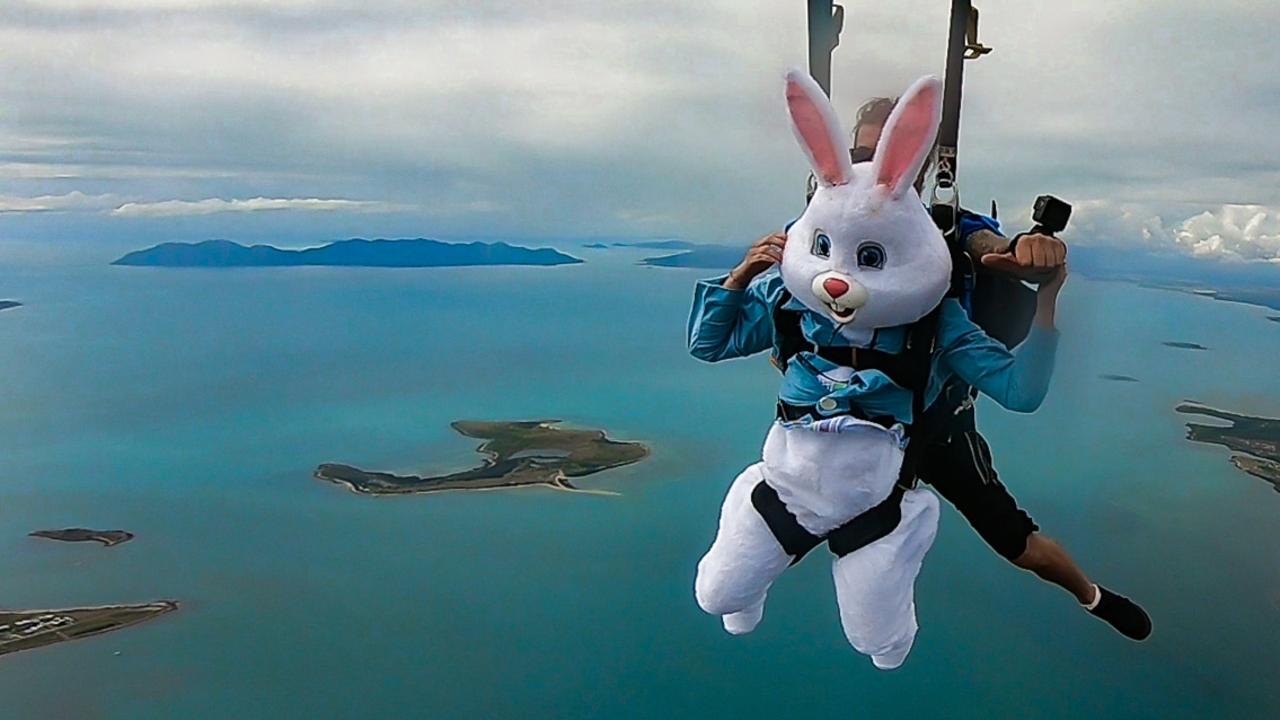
(863,275)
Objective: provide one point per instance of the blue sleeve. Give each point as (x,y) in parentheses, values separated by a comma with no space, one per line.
(1017,380)
(971,222)
(728,323)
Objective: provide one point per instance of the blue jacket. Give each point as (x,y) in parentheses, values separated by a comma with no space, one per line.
(726,324)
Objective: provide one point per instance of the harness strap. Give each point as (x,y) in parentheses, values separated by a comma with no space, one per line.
(868,527)
(791,535)
(789,413)
(855,534)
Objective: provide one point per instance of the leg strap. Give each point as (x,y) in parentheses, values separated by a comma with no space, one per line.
(794,539)
(868,527)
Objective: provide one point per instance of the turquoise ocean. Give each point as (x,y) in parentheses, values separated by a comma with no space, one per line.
(191,406)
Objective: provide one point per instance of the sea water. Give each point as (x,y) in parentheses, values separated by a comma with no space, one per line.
(191,406)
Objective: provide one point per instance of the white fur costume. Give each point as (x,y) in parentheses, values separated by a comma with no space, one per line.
(830,471)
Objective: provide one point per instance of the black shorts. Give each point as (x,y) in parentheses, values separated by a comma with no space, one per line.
(959,467)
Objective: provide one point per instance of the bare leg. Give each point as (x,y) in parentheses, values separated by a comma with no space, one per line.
(875,585)
(735,574)
(1051,563)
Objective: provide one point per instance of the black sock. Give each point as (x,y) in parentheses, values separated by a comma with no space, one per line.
(1122,614)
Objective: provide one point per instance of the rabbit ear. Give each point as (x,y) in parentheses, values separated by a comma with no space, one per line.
(908,136)
(816,127)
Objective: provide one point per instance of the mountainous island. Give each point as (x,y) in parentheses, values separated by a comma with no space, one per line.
(30,629)
(517,454)
(106,537)
(356,252)
(1255,439)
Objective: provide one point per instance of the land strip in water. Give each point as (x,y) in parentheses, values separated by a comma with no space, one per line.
(517,454)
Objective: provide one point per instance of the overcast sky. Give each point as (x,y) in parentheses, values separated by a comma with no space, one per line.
(124,122)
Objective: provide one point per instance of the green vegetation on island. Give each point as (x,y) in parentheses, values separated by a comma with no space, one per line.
(1258,439)
(106,537)
(30,629)
(521,453)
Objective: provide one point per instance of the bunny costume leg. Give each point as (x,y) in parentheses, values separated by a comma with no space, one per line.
(735,574)
(875,586)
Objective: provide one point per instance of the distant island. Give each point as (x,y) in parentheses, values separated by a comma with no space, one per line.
(596,246)
(1118,378)
(659,244)
(30,629)
(684,254)
(711,257)
(107,537)
(1274,318)
(6,304)
(357,252)
(1185,345)
(1267,297)
(1258,438)
(517,454)
(1252,283)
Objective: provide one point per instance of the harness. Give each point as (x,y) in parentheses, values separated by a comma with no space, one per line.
(1002,307)
(909,369)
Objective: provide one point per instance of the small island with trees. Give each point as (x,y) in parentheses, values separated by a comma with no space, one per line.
(107,537)
(1255,440)
(517,454)
(30,629)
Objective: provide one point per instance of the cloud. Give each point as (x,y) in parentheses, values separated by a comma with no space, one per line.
(1224,232)
(70,202)
(1247,232)
(209,206)
(635,117)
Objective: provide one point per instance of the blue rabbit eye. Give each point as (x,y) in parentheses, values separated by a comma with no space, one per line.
(870,255)
(821,244)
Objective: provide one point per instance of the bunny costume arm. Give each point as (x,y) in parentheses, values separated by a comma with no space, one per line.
(1017,380)
(728,323)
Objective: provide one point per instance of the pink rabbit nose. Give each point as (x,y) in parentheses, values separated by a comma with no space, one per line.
(835,287)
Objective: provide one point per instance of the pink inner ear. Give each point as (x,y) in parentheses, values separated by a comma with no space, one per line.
(908,141)
(811,125)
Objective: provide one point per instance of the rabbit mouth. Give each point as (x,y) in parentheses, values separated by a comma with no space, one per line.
(840,314)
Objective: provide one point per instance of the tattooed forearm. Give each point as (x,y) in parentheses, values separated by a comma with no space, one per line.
(983,242)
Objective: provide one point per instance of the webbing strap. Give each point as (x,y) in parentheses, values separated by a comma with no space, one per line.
(855,534)
(868,527)
(794,539)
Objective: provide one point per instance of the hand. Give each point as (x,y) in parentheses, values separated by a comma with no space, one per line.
(1051,286)
(761,256)
(1035,258)
(1047,297)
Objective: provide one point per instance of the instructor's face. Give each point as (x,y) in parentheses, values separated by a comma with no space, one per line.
(867,136)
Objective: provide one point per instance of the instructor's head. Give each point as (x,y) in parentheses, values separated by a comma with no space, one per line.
(870,121)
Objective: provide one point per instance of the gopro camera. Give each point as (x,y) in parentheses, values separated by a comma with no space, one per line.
(1050,215)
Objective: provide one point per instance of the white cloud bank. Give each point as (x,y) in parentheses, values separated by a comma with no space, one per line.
(209,206)
(70,202)
(1249,232)
(1226,232)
